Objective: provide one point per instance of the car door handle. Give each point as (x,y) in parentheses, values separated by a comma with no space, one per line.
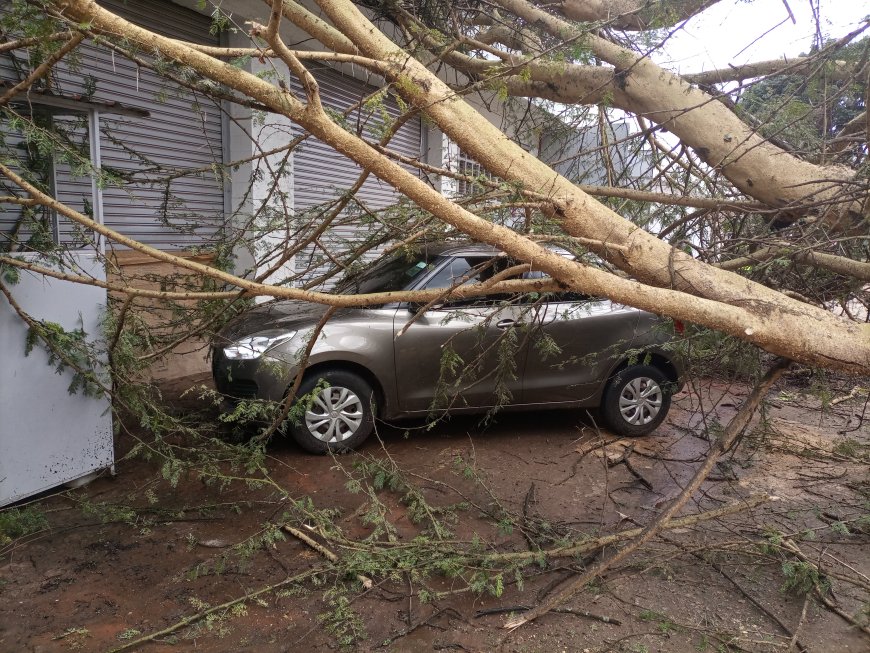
(506,324)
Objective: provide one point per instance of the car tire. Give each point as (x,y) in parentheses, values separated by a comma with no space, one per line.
(636,400)
(339,413)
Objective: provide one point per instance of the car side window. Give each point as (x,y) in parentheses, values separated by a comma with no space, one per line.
(447,276)
(463,270)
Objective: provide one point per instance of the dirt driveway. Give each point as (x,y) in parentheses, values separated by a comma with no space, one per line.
(132,556)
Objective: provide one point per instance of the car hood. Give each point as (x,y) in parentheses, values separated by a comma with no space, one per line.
(291,315)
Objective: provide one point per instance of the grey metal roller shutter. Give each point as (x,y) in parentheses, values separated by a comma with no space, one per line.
(15,234)
(321,174)
(183,132)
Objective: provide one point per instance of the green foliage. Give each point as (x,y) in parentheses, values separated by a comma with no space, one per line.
(801,577)
(215,623)
(719,354)
(840,528)
(341,620)
(772,540)
(69,350)
(665,625)
(804,110)
(9,275)
(129,634)
(220,21)
(19,522)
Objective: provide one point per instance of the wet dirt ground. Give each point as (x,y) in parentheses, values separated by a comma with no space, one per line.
(130,556)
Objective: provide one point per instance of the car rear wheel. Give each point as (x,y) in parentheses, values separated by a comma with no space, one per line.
(636,400)
(338,412)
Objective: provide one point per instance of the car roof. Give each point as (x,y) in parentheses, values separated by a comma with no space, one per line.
(473,249)
(458,249)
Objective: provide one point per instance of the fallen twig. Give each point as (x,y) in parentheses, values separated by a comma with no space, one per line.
(423,622)
(326,553)
(530,497)
(625,461)
(794,643)
(856,392)
(860,579)
(836,609)
(525,608)
(758,604)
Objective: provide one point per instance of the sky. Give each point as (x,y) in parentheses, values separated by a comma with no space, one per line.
(724,33)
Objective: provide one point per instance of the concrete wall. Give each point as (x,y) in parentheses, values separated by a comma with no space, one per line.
(128,267)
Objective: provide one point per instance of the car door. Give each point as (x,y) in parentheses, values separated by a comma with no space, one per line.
(578,342)
(459,355)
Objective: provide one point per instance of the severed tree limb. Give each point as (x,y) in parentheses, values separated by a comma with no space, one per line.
(33,40)
(728,439)
(795,66)
(586,546)
(326,553)
(256,288)
(856,392)
(641,86)
(837,264)
(638,195)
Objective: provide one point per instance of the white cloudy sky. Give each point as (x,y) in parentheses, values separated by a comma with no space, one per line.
(716,38)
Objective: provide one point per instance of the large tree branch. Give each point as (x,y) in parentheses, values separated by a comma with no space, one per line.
(250,288)
(723,141)
(637,195)
(841,265)
(633,14)
(838,70)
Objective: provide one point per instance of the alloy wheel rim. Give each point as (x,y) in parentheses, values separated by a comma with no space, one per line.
(640,401)
(335,414)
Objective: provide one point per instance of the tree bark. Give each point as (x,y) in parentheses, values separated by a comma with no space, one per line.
(633,14)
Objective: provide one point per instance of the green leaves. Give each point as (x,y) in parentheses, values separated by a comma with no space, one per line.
(69,350)
(18,522)
(801,577)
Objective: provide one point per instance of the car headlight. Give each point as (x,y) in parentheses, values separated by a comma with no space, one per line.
(252,347)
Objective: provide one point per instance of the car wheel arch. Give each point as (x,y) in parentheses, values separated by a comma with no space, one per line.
(655,359)
(354,368)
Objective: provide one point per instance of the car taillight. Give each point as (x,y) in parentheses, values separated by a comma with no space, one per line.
(679,327)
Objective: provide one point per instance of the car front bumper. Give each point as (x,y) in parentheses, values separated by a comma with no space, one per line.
(262,378)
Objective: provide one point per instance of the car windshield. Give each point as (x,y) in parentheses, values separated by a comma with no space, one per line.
(396,273)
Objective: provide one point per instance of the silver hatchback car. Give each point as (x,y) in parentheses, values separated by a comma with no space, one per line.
(561,350)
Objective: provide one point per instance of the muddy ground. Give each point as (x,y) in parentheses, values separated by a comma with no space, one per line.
(130,556)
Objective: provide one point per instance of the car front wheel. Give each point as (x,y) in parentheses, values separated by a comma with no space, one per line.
(337,412)
(636,400)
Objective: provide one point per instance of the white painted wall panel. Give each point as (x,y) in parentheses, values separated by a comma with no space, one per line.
(47,435)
